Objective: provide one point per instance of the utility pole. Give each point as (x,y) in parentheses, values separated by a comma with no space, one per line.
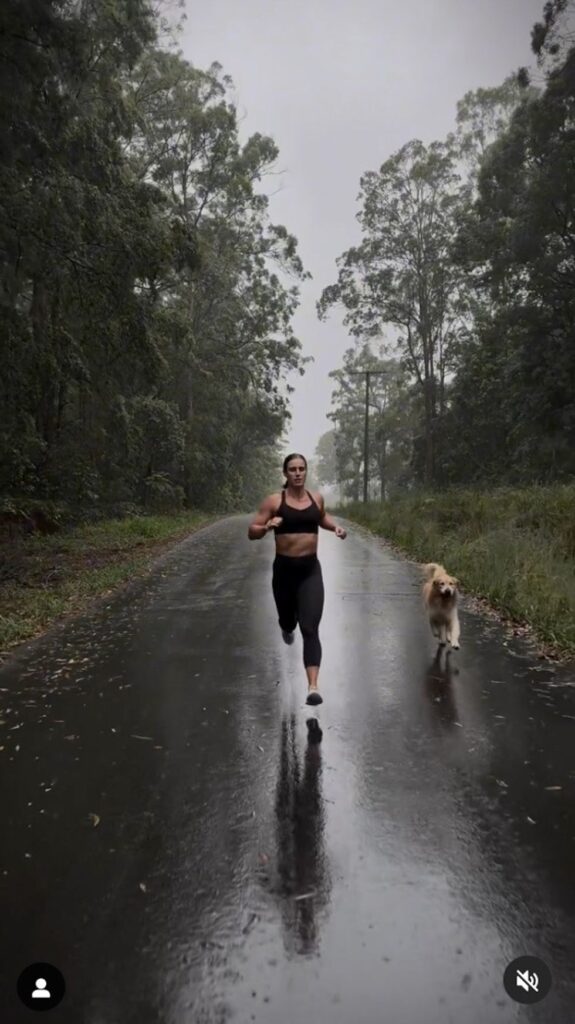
(368,374)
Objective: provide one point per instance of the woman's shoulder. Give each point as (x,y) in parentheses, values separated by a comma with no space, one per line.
(317,497)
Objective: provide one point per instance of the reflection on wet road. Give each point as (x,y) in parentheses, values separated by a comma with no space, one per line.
(301,855)
(188,846)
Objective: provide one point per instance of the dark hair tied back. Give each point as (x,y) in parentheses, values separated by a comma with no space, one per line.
(294,455)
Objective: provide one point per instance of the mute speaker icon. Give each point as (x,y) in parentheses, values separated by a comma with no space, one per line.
(527,979)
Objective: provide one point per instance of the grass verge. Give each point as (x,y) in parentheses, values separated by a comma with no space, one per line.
(44,578)
(513,548)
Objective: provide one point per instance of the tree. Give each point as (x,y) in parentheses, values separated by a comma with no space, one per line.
(325,459)
(482,117)
(521,233)
(403,274)
(73,227)
(146,299)
(231,310)
(468,251)
(553,37)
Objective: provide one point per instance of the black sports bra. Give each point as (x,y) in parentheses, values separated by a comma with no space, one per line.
(298,520)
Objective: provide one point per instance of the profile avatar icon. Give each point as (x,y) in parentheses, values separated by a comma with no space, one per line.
(41,992)
(41,986)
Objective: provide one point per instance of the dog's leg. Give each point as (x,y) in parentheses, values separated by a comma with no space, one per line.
(442,635)
(455,632)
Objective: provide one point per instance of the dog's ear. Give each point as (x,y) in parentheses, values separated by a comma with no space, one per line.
(454,580)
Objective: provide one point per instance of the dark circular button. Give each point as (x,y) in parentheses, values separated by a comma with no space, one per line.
(527,979)
(41,987)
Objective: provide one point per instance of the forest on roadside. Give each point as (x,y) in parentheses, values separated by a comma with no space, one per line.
(146,298)
(462,291)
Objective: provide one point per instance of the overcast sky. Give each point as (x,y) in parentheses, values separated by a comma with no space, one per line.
(341,85)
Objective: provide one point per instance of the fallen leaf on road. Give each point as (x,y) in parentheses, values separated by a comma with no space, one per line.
(530,820)
(552,788)
(95,819)
(143,887)
(304,896)
(70,737)
(260,748)
(134,737)
(263,858)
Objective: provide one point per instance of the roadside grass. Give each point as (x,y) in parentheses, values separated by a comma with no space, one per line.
(44,578)
(514,548)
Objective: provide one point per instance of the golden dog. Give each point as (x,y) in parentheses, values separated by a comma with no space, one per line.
(440,597)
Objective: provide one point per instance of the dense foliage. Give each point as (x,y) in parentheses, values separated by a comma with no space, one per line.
(467,265)
(145,298)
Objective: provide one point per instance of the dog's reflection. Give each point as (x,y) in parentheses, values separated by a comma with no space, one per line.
(303,877)
(439,686)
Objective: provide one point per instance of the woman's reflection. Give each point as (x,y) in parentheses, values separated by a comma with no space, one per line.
(303,881)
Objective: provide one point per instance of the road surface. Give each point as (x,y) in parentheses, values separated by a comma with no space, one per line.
(179,844)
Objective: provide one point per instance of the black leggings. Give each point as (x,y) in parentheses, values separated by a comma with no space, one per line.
(298,592)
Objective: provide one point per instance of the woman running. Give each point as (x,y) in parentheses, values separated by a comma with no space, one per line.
(294,516)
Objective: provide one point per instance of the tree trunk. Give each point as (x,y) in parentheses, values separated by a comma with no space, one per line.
(39,315)
(382,470)
(46,415)
(429,419)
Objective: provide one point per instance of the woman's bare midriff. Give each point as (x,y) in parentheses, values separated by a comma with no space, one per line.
(296,544)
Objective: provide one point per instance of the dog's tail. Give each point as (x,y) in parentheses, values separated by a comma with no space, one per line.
(430,569)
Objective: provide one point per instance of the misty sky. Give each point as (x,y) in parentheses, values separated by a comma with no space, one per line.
(340,86)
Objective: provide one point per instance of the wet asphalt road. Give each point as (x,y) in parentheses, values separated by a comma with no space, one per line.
(242,871)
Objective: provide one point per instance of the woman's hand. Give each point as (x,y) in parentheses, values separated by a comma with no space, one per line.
(340,532)
(273,522)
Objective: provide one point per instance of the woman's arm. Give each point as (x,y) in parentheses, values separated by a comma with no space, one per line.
(264,519)
(327,523)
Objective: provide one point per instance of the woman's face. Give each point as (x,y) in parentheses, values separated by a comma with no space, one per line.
(296,472)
